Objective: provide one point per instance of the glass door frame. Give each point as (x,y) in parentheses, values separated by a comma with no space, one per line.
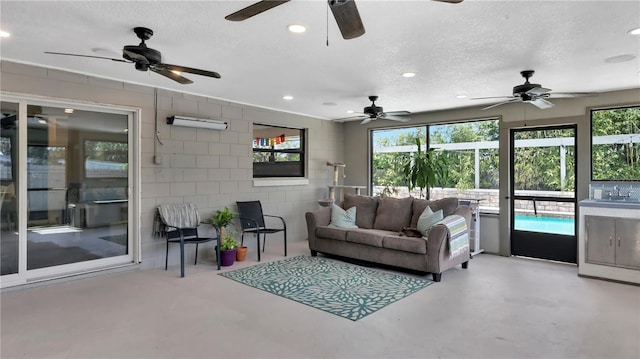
(558,247)
(133,256)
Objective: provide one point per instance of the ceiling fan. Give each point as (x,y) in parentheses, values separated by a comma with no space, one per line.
(373,112)
(344,11)
(146,58)
(534,94)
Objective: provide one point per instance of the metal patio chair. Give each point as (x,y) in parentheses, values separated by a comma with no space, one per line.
(252,220)
(182,221)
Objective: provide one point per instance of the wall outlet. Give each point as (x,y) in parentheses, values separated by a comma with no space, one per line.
(157,159)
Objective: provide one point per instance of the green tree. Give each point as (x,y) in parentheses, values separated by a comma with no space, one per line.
(621,160)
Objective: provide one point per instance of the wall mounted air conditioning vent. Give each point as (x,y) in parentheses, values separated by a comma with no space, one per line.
(196,122)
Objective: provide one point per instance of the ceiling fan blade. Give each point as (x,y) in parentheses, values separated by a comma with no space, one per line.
(190,70)
(486,98)
(90,56)
(254,9)
(541,103)
(573,94)
(347,17)
(167,73)
(502,103)
(396,118)
(398,113)
(450,1)
(352,118)
(366,120)
(537,91)
(135,57)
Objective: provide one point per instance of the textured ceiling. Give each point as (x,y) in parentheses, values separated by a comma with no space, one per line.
(475,48)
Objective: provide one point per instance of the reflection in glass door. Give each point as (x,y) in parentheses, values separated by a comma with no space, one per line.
(543,200)
(77,186)
(9,179)
(65,180)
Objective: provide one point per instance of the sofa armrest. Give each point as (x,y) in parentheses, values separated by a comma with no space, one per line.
(466,212)
(321,217)
(437,254)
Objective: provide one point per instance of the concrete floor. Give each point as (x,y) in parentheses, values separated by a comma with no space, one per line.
(498,308)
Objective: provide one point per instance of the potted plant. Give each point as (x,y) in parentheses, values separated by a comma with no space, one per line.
(221,219)
(425,169)
(228,247)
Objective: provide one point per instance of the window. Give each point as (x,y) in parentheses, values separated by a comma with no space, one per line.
(470,149)
(615,144)
(105,159)
(391,149)
(278,151)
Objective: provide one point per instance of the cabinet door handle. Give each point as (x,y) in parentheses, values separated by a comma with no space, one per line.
(618,241)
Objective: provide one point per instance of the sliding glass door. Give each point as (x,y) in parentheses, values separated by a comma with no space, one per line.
(65,206)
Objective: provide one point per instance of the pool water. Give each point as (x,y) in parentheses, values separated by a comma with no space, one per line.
(564,226)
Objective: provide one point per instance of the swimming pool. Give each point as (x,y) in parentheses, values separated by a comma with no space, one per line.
(564,226)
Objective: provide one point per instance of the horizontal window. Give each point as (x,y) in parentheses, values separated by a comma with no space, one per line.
(278,151)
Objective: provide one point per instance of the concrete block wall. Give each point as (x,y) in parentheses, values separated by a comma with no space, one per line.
(212,169)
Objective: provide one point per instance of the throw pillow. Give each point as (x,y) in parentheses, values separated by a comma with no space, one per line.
(341,218)
(366,208)
(393,214)
(427,219)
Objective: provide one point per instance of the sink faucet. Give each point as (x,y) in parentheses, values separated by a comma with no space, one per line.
(617,194)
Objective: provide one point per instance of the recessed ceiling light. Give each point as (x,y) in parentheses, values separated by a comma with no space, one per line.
(635,31)
(287,97)
(4,34)
(350,111)
(68,110)
(408,74)
(461,96)
(620,58)
(296,28)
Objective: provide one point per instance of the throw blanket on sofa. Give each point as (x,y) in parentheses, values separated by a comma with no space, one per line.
(457,233)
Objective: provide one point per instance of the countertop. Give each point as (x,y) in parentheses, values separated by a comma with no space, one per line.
(609,203)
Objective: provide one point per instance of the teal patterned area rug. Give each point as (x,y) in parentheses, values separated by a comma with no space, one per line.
(343,289)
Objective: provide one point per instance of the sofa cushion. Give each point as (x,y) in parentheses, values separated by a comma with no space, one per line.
(393,214)
(405,244)
(365,209)
(447,205)
(343,218)
(427,219)
(331,232)
(369,237)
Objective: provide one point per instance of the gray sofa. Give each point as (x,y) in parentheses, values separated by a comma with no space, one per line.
(377,238)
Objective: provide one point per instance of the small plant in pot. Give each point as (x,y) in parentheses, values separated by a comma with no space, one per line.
(228,247)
